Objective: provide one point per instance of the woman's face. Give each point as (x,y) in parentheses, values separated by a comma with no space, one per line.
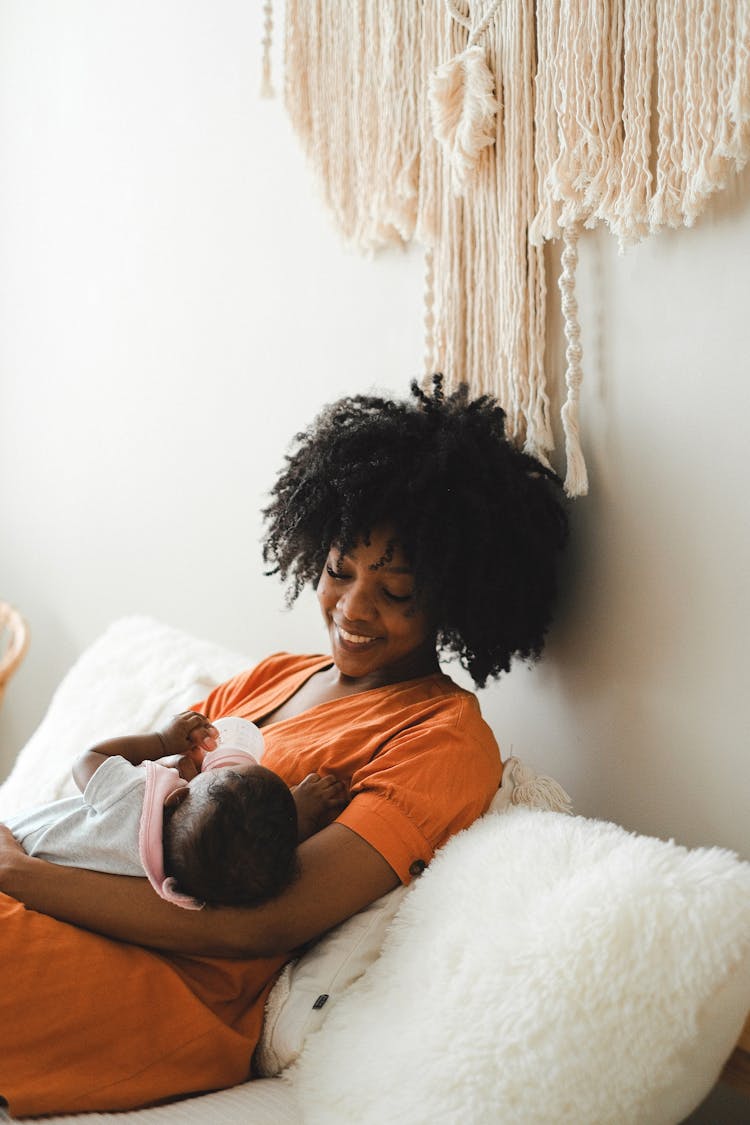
(376,629)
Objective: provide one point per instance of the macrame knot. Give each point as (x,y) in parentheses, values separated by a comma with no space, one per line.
(463,108)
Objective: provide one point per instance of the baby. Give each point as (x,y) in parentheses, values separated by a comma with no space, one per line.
(207,824)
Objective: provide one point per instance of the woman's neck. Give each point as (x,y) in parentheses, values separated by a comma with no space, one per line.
(421,662)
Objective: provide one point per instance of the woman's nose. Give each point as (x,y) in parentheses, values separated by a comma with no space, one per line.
(357,604)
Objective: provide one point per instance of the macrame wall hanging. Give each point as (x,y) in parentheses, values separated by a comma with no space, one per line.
(485,128)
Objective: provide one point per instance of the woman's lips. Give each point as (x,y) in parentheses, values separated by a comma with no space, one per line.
(354,641)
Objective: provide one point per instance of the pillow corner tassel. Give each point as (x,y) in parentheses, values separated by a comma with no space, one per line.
(536,791)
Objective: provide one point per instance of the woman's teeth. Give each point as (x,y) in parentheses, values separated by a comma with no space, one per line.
(354,638)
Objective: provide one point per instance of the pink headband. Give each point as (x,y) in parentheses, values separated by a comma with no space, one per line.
(236,736)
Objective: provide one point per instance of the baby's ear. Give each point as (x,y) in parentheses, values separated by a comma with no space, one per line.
(176,797)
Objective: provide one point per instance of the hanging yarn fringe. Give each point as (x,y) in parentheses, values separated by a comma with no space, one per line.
(484,128)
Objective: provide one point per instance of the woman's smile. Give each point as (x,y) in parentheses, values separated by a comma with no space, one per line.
(376,628)
(355,639)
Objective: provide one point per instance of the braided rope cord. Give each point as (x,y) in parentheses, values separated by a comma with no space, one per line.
(576,481)
(266,85)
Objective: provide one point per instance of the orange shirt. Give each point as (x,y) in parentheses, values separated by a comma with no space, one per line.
(88,1023)
(421,761)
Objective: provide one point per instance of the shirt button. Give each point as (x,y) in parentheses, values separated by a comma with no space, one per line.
(417,867)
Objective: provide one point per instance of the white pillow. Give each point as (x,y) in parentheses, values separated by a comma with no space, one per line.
(544,968)
(132,679)
(310,987)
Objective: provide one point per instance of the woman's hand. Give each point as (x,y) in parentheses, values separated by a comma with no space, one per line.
(14,864)
(10,853)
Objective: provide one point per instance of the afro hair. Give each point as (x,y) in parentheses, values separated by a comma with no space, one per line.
(481,522)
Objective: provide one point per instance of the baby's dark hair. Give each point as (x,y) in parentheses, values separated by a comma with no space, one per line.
(238,848)
(481,522)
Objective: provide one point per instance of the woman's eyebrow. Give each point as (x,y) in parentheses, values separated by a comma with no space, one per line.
(398,569)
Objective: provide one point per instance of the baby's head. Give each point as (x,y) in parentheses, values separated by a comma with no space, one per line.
(231,839)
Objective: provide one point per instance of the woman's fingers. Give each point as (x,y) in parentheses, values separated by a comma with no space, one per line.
(9,850)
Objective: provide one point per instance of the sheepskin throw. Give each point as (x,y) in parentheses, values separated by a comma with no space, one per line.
(544,969)
(483,128)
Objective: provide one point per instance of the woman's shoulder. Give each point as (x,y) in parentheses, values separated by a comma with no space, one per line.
(284,663)
(442,697)
(266,675)
(436,710)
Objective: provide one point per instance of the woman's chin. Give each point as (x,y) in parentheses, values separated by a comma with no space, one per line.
(373,662)
(356,660)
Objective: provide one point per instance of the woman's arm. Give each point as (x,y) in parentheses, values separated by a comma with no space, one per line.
(340,874)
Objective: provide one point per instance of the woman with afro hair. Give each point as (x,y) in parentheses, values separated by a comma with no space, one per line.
(480,522)
(427,533)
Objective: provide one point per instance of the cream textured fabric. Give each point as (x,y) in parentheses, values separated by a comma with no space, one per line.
(484,128)
(268,1101)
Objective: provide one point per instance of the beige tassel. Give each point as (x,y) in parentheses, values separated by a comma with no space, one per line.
(521,785)
(461,95)
(539,792)
(463,108)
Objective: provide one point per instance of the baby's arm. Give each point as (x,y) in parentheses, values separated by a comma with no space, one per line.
(189,734)
(319,801)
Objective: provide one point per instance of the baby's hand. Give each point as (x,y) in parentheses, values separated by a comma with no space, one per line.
(319,801)
(189,734)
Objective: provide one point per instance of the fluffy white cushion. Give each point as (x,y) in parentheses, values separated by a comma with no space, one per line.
(545,968)
(309,988)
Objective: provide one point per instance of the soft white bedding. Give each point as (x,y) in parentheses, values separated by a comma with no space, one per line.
(269,1101)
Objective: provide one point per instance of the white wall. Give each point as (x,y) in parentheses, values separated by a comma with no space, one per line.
(175,303)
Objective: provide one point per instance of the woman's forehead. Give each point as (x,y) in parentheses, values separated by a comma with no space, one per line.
(379,549)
